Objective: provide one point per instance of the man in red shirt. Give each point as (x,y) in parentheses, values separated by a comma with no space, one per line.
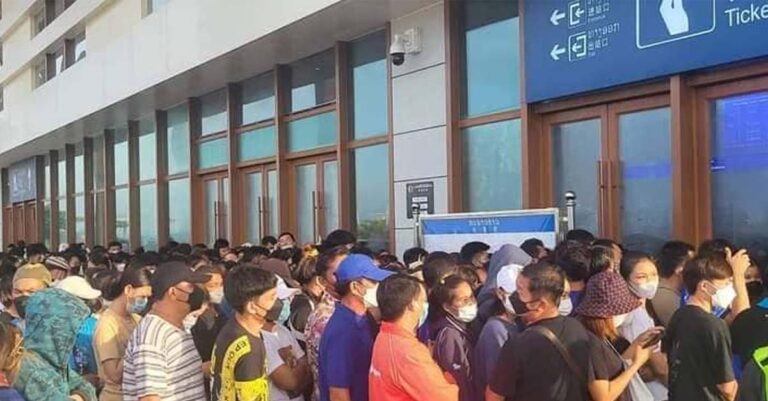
(402,368)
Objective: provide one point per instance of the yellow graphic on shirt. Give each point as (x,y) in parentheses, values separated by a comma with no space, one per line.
(256,389)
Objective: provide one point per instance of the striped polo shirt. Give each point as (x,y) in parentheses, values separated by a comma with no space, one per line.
(161,360)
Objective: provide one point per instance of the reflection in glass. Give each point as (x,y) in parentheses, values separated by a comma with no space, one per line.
(121,156)
(306,186)
(179,228)
(273,207)
(80,219)
(371,175)
(99,218)
(211,211)
(98,162)
(62,173)
(331,196)
(47,169)
(122,226)
(213,111)
(224,209)
(213,153)
(47,223)
(491,59)
(147,150)
(646,191)
(148,216)
(257,144)
(575,153)
(258,96)
(313,81)
(253,205)
(312,132)
(79,169)
(739,169)
(368,57)
(493,167)
(178,139)
(62,223)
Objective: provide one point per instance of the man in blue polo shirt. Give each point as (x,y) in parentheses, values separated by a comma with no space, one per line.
(347,342)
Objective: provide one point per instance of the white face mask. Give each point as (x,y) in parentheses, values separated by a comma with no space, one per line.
(724,296)
(468,313)
(619,320)
(370,297)
(508,306)
(189,322)
(645,290)
(566,306)
(217,296)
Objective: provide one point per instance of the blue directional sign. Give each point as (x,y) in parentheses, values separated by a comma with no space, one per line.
(574,46)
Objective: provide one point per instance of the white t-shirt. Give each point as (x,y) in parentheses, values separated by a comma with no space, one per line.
(637,322)
(274,341)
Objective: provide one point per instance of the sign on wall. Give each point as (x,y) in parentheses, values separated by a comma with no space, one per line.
(421,195)
(22,181)
(574,46)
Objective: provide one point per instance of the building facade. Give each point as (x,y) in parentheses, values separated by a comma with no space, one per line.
(151,120)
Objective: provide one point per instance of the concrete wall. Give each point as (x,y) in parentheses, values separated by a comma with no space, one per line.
(419,92)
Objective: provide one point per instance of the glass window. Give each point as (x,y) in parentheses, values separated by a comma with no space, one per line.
(38,21)
(369,86)
(258,99)
(80,219)
(121,156)
(148,215)
(313,81)
(179,227)
(62,173)
(213,110)
(254,203)
(575,153)
(371,180)
(312,132)
(39,73)
(331,195)
(154,5)
(178,140)
(122,226)
(56,63)
(739,151)
(306,185)
(99,218)
(79,48)
(645,149)
(147,150)
(47,169)
(257,144)
(47,223)
(493,167)
(79,169)
(62,223)
(98,162)
(491,59)
(272,207)
(213,153)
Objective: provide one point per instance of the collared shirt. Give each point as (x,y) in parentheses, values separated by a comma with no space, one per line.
(397,355)
(345,354)
(316,323)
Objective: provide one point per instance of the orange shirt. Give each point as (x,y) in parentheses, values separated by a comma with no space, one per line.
(403,370)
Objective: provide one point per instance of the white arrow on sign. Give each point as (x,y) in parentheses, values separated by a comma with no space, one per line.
(556,52)
(556,17)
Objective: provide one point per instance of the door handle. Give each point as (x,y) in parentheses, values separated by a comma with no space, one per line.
(315,214)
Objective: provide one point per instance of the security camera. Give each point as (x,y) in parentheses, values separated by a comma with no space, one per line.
(397,50)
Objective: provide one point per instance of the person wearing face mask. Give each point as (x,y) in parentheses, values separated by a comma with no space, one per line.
(287,365)
(128,295)
(347,343)
(606,305)
(397,353)
(452,307)
(530,366)
(700,365)
(205,327)
(27,280)
(642,277)
(158,364)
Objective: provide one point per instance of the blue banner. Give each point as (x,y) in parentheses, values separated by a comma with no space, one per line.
(532,223)
(574,46)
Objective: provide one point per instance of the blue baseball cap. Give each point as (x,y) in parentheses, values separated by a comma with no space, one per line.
(355,267)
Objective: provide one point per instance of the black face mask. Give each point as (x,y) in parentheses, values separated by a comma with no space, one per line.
(196,299)
(520,307)
(274,314)
(754,289)
(21,305)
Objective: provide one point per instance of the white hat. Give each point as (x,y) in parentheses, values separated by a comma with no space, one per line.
(78,287)
(283,291)
(507,278)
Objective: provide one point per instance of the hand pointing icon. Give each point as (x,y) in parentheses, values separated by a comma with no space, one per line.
(674,15)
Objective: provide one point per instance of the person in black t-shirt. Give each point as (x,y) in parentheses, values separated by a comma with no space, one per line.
(530,368)
(698,343)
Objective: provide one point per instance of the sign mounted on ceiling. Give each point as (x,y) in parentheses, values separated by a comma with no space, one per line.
(574,46)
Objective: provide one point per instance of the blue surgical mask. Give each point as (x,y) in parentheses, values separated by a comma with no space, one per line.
(424,314)
(285,312)
(137,305)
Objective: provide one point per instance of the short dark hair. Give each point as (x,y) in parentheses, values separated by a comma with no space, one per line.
(531,247)
(246,282)
(251,252)
(413,254)
(580,235)
(268,240)
(306,270)
(327,257)
(437,269)
(703,268)
(114,243)
(715,247)
(220,243)
(36,249)
(630,260)
(607,242)
(574,258)
(470,249)
(394,295)
(600,259)
(442,293)
(360,249)
(288,234)
(673,255)
(545,280)
(469,273)
(339,237)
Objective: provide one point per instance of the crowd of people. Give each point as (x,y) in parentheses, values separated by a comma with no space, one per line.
(337,321)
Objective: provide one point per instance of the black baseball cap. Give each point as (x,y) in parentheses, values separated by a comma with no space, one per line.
(169,274)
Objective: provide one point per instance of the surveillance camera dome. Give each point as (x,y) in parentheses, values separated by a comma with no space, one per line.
(397,51)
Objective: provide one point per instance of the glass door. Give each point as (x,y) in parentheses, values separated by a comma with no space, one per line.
(216,205)
(260,203)
(315,198)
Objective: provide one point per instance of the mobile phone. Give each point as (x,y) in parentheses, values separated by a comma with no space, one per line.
(654,339)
